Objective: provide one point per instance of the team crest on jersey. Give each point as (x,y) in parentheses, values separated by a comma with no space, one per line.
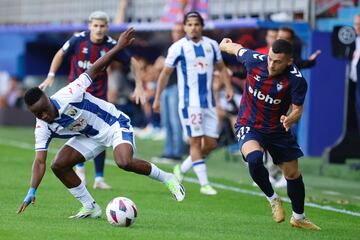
(85,50)
(208,50)
(279,86)
(102,53)
(78,125)
(71,112)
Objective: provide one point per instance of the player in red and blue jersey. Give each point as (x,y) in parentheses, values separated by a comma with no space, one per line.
(273,86)
(84,49)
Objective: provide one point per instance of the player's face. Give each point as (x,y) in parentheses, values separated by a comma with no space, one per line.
(44,109)
(286,35)
(271,36)
(357,24)
(278,62)
(193,28)
(98,29)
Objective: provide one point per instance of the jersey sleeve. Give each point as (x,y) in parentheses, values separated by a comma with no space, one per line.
(69,45)
(173,56)
(298,86)
(42,136)
(250,57)
(217,52)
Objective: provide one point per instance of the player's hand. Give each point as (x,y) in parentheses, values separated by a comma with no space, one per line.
(156,105)
(223,44)
(314,55)
(283,120)
(30,198)
(126,38)
(139,95)
(48,82)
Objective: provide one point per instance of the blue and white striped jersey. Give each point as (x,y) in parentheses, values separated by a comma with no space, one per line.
(80,113)
(194,63)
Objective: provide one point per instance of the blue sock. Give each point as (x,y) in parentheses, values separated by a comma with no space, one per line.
(296,193)
(99,162)
(259,173)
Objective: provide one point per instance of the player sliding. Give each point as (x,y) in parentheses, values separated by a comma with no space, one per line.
(92,124)
(273,84)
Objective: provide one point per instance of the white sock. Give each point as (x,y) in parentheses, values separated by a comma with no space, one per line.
(272,197)
(82,194)
(298,216)
(99,179)
(186,165)
(200,171)
(158,174)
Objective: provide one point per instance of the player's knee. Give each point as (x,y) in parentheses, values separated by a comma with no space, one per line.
(255,158)
(124,163)
(291,174)
(56,165)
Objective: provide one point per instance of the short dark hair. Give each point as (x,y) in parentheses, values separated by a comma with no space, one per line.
(282,46)
(289,30)
(33,95)
(194,14)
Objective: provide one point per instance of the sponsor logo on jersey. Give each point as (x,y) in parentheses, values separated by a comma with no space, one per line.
(84,64)
(78,125)
(259,95)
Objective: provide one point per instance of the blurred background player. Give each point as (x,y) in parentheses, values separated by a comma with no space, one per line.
(95,125)
(195,57)
(273,84)
(170,121)
(271,36)
(84,49)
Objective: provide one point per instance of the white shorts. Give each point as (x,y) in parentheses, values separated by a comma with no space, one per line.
(197,121)
(90,148)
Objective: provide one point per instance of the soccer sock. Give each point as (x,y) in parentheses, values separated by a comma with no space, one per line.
(99,162)
(259,173)
(186,165)
(82,194)
(296,193)
(158,174)
(200,171)
(272,197)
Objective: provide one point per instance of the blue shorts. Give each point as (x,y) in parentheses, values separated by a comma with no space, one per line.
(282,146)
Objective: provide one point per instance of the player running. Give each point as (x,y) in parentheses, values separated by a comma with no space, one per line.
(273,84)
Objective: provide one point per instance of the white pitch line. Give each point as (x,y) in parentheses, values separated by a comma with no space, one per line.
(28,146)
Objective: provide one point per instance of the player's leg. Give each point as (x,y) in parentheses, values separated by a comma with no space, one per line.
(123,148)
(99,162)
(74,151)
(296,193)
(174,121)
(80,171)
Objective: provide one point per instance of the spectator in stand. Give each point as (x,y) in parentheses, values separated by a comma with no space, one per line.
(10,93)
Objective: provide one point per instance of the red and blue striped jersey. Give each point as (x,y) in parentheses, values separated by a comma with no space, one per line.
(266,98)
(83,53)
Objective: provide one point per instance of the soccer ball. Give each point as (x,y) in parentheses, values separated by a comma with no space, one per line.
(121,211)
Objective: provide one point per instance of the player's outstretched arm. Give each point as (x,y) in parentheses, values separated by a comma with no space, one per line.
(125,39)
(226,45)
(162,82)
(38,171)
(55,65)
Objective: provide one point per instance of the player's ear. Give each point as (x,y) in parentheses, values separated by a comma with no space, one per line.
(291,61)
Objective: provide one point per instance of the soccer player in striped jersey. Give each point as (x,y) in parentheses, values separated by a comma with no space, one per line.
(84,49)
(273,85)
(93,124)
(195,57)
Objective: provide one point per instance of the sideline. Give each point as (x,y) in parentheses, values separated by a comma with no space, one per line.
(27,146)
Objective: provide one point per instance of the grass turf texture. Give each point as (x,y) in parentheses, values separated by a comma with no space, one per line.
(229,215)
